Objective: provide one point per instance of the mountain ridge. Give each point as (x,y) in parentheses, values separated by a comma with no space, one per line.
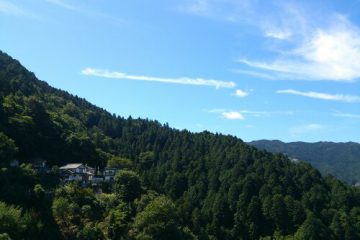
(340,159)
(216,186)
(287,142)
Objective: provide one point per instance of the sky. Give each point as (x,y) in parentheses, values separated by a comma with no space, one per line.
(287,70)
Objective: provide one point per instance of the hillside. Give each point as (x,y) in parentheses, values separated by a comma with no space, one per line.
(213,186)
(338,159)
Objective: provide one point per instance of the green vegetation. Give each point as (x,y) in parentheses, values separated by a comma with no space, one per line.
(341,160)
(127,185)
(174,184)
(8,150)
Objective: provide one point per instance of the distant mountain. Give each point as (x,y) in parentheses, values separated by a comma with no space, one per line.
(341,160)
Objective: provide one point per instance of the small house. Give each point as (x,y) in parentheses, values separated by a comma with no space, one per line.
(109,174)
(76,172)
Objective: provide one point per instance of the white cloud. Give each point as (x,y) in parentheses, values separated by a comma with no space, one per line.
(302,129)
(321,45)
(180,80)
(323,96)
(278,34)
(233,115)
(240,115)
(330,53)
(226,113)
(241,93)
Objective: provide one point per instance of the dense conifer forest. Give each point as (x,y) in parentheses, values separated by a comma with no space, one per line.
(341,160)
(173,184)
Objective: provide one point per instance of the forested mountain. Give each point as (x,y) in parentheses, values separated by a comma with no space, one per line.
(338,159)
(177,184)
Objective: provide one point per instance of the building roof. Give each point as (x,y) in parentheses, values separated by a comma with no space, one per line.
(71,166)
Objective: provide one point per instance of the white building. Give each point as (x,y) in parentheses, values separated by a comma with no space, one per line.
(85,174)
(76,172)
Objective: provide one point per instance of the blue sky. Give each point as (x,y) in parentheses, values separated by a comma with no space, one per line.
(285,70)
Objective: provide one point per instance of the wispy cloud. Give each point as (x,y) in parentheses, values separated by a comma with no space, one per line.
(330,53)
(278,34)
(233,115)
(215,110)
(10,8)
(277,18)
(241,93)
(85,11)
(14,9)
(319,46)
(226,10)
(322,96)
(198,7)
(63,4)
(254,73)
(307,128)
(181,80)
(347,115)
(226,113)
